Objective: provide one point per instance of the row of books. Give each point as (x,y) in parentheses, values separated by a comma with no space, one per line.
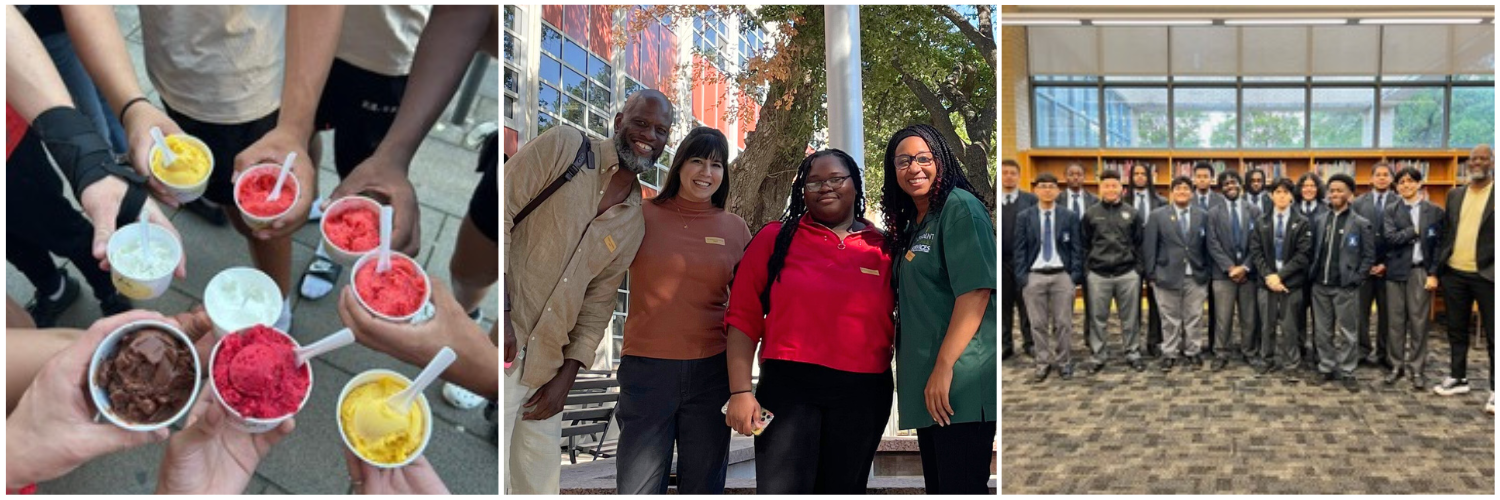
(1272,168)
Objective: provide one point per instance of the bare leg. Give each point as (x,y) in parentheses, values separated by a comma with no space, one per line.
(475,266)
(273,257)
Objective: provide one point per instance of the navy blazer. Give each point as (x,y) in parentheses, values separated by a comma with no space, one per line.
(1155,201)
(1168,255)
(1484,255)
(1364,205)
(1401,237)
(1297,248)
(1263,201)
(1221,238)
(1065,200)
(1068,242)
(1356,241)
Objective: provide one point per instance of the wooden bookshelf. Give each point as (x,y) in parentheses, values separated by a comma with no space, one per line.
(1443,167)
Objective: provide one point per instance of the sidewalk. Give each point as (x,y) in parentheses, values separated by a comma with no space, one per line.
(463,447)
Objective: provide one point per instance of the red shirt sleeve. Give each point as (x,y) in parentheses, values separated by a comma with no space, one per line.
(15,128)
(745,311)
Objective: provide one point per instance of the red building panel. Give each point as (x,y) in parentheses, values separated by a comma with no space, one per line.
(632,50)
(601,30)
(651,55)
(576,22)
(553,14)
(668,48)
(511,141)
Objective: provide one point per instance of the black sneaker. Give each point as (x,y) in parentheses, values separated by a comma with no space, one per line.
(1095,367)
(1261,368)
(1326,378)
(1041,374)
(115,304)
(1007,354)
(1166,365)
(1138,365)
(1066,372)
(1391,378)
(1219,364)
(208,210)
(1418,382)
(44,311)
(1452,387)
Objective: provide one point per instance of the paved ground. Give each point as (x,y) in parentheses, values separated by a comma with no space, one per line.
(1124,432)
(463,449)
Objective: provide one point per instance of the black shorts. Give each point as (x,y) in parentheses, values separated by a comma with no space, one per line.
(484,205)
(225,141)
(359,106)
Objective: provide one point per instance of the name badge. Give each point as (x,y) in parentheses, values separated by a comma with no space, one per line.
(910,255)
(609,242)
(1354,240)
(713,241)
(1067,237)
(868,271)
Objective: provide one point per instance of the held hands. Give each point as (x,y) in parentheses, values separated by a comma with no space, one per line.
(273,148)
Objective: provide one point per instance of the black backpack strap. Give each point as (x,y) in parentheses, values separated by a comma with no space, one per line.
(584,158)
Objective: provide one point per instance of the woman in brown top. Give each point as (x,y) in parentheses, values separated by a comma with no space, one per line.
(673,373)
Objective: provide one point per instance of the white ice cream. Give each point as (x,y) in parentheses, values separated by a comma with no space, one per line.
(235,303)
(153,261)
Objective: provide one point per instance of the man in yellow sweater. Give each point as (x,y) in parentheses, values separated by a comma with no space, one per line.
(1468,273)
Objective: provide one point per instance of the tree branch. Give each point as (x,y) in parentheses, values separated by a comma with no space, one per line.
(982,41)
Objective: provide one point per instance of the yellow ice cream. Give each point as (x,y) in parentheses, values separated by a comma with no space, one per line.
(191,165)
(378,433)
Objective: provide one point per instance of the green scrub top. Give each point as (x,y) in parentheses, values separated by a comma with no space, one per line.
(946,258)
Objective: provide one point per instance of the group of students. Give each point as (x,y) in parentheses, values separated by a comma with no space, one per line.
(254,83)
(1256,255)
(822,293)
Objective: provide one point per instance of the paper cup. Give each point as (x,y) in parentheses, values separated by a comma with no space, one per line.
(339,254)
(142,284)
(100,397)
(423,313)
(261,222)
(230,314)
(371,376)
(251,424)
(185,192)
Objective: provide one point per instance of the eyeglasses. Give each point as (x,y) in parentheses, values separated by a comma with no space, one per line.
(923,159)
(830,183)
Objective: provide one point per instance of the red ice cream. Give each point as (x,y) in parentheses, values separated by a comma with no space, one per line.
(398,292)
(256,374)
(354,230)
(253,189)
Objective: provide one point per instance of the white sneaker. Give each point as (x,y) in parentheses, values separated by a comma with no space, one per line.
(1452,387)
(1490,406)
(461,398)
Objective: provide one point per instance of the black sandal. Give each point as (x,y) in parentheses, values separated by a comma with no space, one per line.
(323,269)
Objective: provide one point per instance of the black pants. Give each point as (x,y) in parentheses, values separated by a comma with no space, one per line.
(826,428)
(956,458)
(43,222)
(1152,321)
(1011,303)
(1373,292)
(663,401)
(359,106)
(1460,291)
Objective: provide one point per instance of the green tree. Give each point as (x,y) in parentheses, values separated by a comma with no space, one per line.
(1339,129)
(1473,117)
(1419,120)
(1273,129)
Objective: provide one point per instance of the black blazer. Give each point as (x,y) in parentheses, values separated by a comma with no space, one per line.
(1167,254)
(1401,236)
(1221,238)
(1068,242)
(1296,249)
(1356,241)
(1484,255)
(1008,212)
(1155,200)
(1263,201)
(1364,205)
(1065,200)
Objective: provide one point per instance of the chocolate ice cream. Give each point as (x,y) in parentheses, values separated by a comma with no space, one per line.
(149,377)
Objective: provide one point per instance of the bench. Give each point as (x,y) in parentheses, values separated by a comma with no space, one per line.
(588,411)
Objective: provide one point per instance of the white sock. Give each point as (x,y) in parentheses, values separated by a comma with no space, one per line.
(313,286)
(62,286)
(284,322)
(317,210)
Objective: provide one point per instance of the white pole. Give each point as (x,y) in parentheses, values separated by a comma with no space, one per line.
(846,127)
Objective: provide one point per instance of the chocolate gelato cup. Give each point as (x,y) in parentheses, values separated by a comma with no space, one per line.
(109,346)
(337,253)
(257,222)
(423,313)
(366,377)
(251,424)
(185,192)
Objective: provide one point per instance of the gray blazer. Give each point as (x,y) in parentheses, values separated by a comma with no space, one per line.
(1364,205)
(1221,245)
(1168,253)
(1401,237)
(1356,241)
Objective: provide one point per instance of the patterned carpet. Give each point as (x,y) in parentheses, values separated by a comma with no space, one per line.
(1233,432)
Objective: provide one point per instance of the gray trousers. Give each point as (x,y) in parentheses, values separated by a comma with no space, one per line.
(1049,304)
(1280,339)
(1229,297)
(1124,292)
(1335,328)
(1182,328)
(1409,304)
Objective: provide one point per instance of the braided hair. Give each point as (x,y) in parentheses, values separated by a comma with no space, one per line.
(790,219)
(900,210)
